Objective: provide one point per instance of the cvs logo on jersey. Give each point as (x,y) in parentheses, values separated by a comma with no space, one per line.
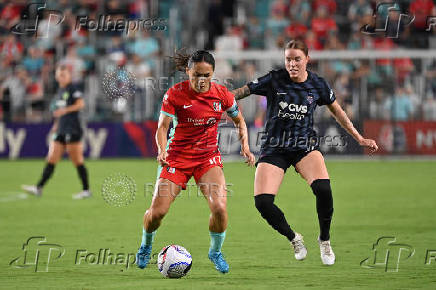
(298,108)
(292,111)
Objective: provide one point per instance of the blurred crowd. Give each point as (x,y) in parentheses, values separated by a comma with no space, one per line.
(28,60)
(396,89)
(323,24)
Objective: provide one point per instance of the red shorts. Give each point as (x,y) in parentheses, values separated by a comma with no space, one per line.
(181,176)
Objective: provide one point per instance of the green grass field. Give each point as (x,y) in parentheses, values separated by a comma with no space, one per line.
(372,200)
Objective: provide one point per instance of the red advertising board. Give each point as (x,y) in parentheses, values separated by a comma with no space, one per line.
(415,137)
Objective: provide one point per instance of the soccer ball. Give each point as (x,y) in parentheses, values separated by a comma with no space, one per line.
(174,261)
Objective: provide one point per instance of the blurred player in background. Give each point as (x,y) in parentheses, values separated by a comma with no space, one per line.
(67,133)
(292,96)
(195,107)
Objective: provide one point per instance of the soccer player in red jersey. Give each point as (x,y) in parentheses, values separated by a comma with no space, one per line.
(195,107)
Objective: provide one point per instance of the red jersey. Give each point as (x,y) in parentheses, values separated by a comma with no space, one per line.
(329,5)
(322,26)
(422,9)
(194,135)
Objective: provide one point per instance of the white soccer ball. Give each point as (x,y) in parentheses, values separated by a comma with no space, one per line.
(174,261)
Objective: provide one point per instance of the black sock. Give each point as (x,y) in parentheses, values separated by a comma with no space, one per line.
(83,174)
(273,215)
(324,206)
(46,174)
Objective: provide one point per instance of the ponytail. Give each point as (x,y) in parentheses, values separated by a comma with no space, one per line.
(183,60)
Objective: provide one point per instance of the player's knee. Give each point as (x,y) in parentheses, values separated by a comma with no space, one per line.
(51,158)
(219,209)
(321,187)
(157,213)
(322,190)
(264,202)
(77,162)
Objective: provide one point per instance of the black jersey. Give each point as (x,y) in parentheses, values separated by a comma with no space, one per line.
(290,108)
(68,123)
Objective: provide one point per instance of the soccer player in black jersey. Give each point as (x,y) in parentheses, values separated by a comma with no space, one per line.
(67,133)
(293,93)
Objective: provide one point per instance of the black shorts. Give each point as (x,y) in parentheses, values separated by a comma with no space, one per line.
(284,160)
(67,138)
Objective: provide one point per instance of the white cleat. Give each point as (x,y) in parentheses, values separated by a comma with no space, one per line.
(300,250)
(32,190)
(327,255)
(82,195)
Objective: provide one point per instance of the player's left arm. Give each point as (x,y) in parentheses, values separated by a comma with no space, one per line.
(78,105)
(54,127)
(342,118)
(232,109)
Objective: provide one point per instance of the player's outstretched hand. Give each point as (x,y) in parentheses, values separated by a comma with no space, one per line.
(162,158)
(372,146)
(249,157)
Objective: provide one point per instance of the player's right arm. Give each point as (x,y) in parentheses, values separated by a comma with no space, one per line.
(161,138)
(167,113)
(241,93)
(260,86)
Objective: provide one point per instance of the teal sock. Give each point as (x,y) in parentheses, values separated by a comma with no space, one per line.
(216,241)
(147,238)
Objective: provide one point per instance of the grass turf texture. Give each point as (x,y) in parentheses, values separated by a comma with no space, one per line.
(372,199)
